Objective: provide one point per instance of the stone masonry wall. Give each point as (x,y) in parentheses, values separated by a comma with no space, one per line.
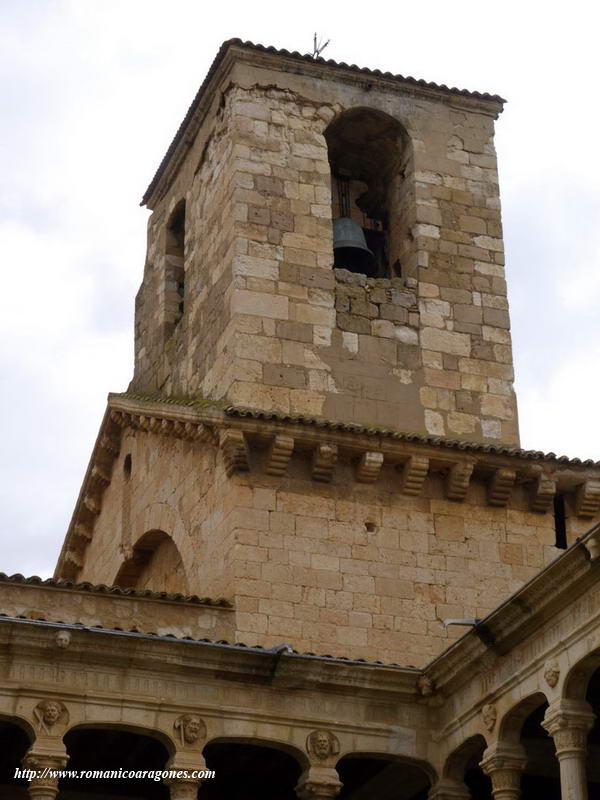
(369,573)
(176,487)
(266,323)
(357,570)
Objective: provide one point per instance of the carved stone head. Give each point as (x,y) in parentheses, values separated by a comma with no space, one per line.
(63,639)
(49,713)
(552,672)
(191,728)
(322,744)
(490,715)
(425,686)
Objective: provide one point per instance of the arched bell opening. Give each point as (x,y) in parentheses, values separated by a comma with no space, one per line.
(523,727)
(462,768)
(14,744)
(372,201)
(368,776)
(109,749)
(250,771)
(156,564)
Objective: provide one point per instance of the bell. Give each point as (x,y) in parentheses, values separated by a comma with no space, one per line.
(350,248)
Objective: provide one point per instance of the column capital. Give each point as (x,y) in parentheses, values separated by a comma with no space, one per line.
(504,763)
(45,764)
(183,788)
(449,789)
(569,722)
(318,783)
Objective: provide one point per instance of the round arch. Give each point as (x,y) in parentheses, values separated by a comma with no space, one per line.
(367,774)
(164,519)
(124,726)
(579,675)
(114,749)
(16,738)
(262,741)
(457,762)
(462,771)
(20,722)
(251,769)
(511,724)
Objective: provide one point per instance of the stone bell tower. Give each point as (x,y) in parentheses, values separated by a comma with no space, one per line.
(245,300)
(321,428)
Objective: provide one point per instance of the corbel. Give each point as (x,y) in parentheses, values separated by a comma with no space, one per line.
(414,474)
(592,544)
(369,466)
(91,504)
(178,429)
(280,452)
(324,461)
(235,451)
(501,486)
(587,499)
(458,480)
(83,531)
(74,559)
(542,493)
(166,427)
(119,418)
(99,479)
(110,444)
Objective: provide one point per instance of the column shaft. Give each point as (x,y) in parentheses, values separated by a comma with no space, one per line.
(568,722)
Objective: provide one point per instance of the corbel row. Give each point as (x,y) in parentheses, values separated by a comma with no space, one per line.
(190,431)
(414,470)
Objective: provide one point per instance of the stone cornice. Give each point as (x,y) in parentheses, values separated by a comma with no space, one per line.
(239,432)
(164,654)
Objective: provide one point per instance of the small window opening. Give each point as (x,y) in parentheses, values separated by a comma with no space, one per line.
(560,522)
(175,270)
(127,466)
(176,231)
(370,527)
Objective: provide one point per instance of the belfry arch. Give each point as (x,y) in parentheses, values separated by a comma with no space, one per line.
(370,155)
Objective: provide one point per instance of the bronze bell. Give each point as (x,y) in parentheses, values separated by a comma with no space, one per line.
(350,247)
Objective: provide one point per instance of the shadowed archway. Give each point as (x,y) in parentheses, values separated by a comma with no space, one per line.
(250,771)
(14,743)
(155,564)
(113,749)
(369,776)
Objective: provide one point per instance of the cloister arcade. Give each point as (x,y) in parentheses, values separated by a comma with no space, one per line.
(545,745)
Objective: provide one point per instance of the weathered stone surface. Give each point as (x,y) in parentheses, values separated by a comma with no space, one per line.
(258,262)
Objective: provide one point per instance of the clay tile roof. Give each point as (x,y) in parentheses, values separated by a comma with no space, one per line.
(209,642)
(377,73)
(365,430)
(120,591)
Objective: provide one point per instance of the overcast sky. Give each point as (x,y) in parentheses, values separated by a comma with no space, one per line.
(91,94)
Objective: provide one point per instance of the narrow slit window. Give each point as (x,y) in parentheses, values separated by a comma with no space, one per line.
(560,522)
(174,264)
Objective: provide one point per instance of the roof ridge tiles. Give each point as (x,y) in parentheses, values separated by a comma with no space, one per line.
(102,588)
